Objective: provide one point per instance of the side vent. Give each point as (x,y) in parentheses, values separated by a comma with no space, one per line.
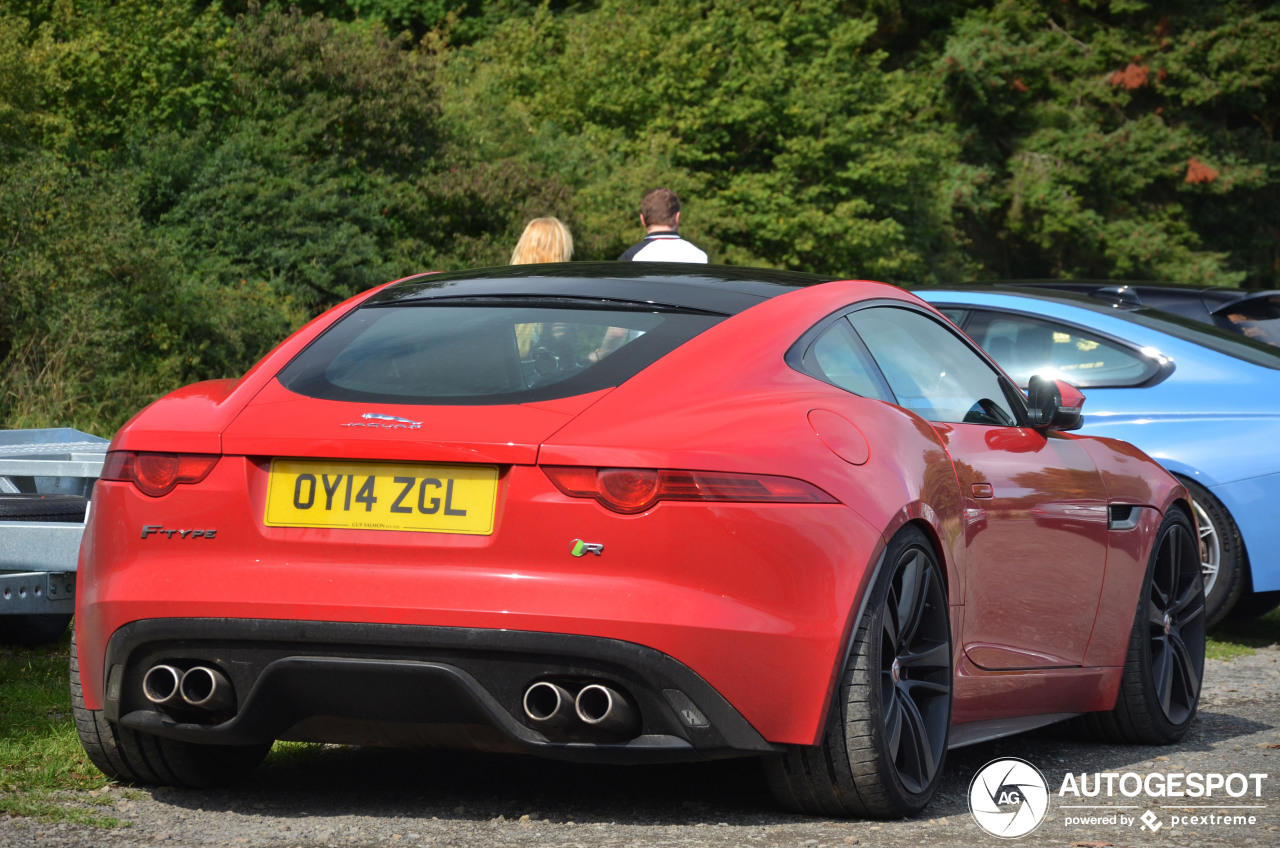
(1121,517)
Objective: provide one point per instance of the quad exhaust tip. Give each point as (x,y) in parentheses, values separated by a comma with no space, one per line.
(597,707)
(605,709)
(162,686)
(202,688)
(208,689)
(550,705)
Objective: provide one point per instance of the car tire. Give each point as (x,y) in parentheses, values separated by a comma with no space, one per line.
(885,740)
(36,507)
(1221,552)
(132,757)
(1164,667)
(33,630)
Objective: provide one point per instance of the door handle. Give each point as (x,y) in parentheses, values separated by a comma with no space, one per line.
(982,490)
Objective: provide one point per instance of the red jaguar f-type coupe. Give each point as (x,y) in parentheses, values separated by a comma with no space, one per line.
(630,512)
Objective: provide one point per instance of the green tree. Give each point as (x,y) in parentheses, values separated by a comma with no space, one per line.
(29,80)
(1119,139)
(791,142)
(96,318)
(111,68)
(295,186)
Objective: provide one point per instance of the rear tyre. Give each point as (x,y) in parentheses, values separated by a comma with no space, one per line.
(885,740)
(134,757)
(1221,552)
(1164,669)
(33,630)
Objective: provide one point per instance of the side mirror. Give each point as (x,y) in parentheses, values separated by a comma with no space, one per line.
(1054,404)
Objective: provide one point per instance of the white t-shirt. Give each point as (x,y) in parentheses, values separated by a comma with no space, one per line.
(667,247)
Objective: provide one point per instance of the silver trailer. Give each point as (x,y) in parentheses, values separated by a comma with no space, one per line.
(46,479)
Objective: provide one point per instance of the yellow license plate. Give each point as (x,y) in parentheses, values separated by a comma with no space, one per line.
(382,496)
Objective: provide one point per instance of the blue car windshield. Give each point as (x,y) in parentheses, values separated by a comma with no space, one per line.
(1206,335)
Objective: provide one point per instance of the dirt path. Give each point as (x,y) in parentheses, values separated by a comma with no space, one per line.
(347,797)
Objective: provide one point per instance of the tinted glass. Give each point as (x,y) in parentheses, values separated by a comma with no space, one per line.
(1026,346)
(931,370)
(1256,318)
(1230,342)
(840,359)
(512,352)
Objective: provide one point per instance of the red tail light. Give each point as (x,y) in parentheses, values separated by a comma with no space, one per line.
(632,490)
(157,473)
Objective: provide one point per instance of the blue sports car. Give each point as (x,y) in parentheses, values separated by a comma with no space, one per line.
(1204,402)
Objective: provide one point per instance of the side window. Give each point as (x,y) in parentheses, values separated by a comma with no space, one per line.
(931,370)
(1026,346)
(840,359)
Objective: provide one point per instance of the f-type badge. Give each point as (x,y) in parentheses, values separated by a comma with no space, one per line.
(581,548)
(158,530)
(382,421)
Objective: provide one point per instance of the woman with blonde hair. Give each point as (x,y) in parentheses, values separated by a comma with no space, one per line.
(543,240)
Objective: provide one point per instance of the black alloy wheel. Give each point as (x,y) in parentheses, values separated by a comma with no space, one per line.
(1176,624)
(1164,667)
(915,670)
(885,740)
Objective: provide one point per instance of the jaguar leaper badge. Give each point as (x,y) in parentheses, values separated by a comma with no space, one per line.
(382,421)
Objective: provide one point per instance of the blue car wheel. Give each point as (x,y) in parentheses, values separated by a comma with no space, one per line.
(1221,553)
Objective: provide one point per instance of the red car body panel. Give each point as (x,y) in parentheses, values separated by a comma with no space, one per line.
(707,609)
(1042,535)
(758,599)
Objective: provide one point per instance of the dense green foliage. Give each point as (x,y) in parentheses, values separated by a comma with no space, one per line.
(1120,139)
(182,183)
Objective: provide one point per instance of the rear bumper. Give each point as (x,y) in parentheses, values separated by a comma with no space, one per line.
(400,685)
(756,599)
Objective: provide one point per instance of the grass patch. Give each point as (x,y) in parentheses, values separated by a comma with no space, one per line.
(299,753)
(40,754)
(1225,649)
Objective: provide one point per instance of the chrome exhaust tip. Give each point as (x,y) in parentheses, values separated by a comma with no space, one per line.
(606,709)
(549,705)
(162,686)
(207,688)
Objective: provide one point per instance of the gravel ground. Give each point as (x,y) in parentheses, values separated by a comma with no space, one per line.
(362,797)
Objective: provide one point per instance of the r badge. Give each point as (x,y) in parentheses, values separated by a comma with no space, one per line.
(581,548)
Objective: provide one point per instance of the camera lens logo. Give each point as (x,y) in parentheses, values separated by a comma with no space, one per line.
(1008,798)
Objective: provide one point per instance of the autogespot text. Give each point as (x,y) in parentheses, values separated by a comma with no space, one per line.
(1158,785)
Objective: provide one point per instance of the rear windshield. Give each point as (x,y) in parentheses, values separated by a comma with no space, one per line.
(508,351)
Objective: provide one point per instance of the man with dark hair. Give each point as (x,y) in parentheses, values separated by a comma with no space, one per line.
(660,216)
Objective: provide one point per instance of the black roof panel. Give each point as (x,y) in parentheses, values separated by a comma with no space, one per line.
(722,289)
